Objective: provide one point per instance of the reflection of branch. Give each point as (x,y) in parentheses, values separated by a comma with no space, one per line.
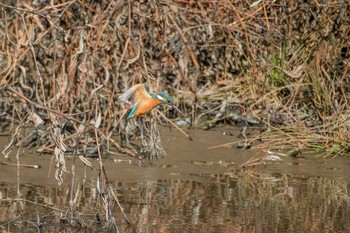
(21,165)
(49,206)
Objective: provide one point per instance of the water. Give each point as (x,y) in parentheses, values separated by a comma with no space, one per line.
(194,189)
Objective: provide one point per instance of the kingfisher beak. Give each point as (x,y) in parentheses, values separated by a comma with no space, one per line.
(177,109)
(173,106)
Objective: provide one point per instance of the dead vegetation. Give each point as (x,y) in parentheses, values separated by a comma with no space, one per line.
(284,62)
(63,64)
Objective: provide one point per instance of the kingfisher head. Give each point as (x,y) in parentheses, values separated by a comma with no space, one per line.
(166,99)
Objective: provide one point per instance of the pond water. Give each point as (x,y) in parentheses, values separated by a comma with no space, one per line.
(193,189)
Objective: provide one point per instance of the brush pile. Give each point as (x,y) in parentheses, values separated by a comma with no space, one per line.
(281,65)
(63,64)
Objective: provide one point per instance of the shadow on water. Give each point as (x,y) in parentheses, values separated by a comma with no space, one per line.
(192,190)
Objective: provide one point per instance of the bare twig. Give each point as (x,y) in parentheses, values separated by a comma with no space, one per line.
(177,127)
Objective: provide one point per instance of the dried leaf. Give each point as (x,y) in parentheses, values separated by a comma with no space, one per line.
(22,39)
(85,161)
(15,138)
(58,176)
(36,119)
(31,34)
(98,120)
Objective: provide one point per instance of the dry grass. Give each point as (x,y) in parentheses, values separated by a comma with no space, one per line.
(287,64)
(63,64)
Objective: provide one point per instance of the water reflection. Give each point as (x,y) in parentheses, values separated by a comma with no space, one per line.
(237,201)
(197,190)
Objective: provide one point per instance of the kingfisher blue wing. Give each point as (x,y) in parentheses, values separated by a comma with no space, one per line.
(135,94)
(132,112)
(143,101)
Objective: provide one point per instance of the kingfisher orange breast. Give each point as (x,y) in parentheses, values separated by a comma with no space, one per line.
(146,105)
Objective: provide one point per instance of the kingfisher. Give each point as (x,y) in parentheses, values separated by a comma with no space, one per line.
(144,101)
